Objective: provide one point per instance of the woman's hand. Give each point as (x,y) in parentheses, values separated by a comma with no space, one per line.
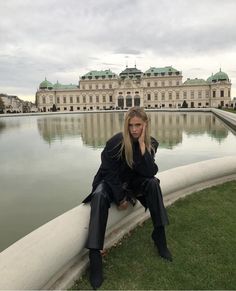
(141,140)
(123,205)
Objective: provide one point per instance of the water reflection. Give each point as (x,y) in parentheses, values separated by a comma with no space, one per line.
(7,124)
(96,128)
(39,182)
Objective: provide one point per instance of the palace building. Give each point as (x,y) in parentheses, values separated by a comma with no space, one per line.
(154,88)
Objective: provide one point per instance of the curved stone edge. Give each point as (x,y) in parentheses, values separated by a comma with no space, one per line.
(53,256)
(228,117)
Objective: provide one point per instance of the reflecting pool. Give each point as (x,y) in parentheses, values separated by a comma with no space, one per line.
(47,162)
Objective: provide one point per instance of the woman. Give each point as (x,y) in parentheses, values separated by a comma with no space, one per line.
(127,173)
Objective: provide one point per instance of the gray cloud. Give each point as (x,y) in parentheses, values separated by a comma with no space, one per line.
(66,38)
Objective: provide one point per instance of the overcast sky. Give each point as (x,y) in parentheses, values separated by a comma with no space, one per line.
(64,39)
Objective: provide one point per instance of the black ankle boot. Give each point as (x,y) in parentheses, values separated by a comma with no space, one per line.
(96,275)
(159,238)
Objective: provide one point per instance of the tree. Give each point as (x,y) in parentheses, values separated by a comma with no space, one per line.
(2,106)
(54,108)
(185,104)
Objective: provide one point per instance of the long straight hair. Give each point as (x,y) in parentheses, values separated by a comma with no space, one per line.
(126,145)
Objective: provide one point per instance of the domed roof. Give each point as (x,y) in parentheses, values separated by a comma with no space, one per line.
(209,79)
(220,76)
(195,81)
(46,84)
(57,85)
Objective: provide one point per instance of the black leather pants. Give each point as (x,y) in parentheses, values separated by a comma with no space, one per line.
(149,195)
(100,204)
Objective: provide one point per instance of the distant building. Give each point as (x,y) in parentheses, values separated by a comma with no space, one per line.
(155,88)
(14,104)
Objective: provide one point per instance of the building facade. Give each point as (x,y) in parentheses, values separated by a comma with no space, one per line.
(154,88)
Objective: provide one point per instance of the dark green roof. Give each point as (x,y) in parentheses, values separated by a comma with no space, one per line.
(46,84)
(195,81)
(209,79)
(131,71)
(220,76)
(97,74)
(66,87)
(169,70)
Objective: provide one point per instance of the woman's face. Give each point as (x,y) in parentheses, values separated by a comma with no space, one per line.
(136,127)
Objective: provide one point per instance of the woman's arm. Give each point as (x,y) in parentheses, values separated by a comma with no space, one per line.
(111,165)
(145,164)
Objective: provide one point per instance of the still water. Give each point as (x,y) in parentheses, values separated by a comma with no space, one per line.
(47,163)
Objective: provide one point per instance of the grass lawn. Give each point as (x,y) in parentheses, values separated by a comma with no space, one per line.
(201,237)
(229,110)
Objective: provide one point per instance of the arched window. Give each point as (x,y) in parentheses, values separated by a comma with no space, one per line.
(121,101)
(136,100)
(128,101)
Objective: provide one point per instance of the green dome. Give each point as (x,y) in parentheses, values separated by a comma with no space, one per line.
(210,78)
(45,85)
(220,76)
(57,85)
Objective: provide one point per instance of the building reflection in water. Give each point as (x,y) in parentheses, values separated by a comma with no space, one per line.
(96,128)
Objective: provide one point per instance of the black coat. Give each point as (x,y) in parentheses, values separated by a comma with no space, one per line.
(115,172)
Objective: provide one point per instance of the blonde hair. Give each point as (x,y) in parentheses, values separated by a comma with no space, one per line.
(126,145)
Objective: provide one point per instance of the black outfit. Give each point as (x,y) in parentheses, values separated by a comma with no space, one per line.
(115,181)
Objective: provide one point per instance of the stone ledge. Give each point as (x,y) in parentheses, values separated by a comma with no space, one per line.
(52,256)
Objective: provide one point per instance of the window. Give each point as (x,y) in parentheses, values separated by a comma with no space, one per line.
(110,86)
(90,99)
(170,82)
(228,93)
(103,86)
(163,96)
(90,86)
(199,94)
(214,93)
(44,99)
(64,99)
(156,84)
(71,99)
(51,98)
(110,98)
(104,98)
(156,96)
(192,94)
(58,99)
(221,93)
(148,96)
(96,86)
(207,94)
(84,99)
(148,84)
(97,99)
(185,94)
(163,83)
(177,83)
(170,95)
(77,99)
(177,95)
